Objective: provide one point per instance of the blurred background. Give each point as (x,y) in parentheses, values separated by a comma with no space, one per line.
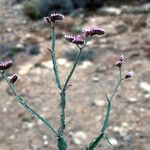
(24,38)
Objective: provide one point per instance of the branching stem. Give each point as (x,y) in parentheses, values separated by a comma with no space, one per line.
(97,140)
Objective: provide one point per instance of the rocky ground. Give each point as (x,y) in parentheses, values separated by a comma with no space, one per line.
(127,32)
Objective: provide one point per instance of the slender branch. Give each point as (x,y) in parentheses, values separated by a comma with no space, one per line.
(97,140)
(63,95)
(55,68)
(72,70)
(24,104)
(75,63)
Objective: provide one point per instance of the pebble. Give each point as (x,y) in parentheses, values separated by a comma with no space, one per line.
(99,102)
(110,11)
(113,141)
(47,64)
(95,79)
(85,64)
(145,86)
(62,61)
(132,99)
(78,137)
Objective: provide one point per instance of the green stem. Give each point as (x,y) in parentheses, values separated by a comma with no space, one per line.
(72,70)
(23,103)
(97,140)
(55,68)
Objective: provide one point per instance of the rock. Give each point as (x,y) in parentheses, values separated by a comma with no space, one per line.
(47,64)
(62,61)
(136,10)
(132,99)
(145,86)
(110,11)
(95,79)
(99,102)
(113,141)
(78,137)
(85,64)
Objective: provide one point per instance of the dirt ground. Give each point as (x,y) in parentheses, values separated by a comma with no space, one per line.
(126,34)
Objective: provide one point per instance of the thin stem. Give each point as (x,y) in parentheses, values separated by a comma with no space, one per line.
(97,140)
(55,68)
(72,70)
(23,103)
(63,95)
(75,63)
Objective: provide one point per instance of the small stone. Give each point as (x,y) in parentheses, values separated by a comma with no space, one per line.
(47,64)
(110,11)
(113,141)
(145,86)
(95,79)
(4,109)
(85,64)
(99,102)
(147,96)
(9,29)
(45,137)
(62,61)
(132,99)
(12,137)
(79,137)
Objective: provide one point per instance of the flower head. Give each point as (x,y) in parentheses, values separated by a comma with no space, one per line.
(120,61)
(76,39)
(129,75)
(54,17)
(13,78)
(93,31)
(121,58)
(5,65)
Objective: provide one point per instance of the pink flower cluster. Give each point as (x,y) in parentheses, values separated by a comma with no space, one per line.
(54,17)
(80,39)
(89,32)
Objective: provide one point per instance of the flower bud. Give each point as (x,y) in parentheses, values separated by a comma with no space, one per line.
(5,65)
(129,75)
(13,78)
(89,32)
(78,40)
(56,16)
(119,63)
(121,58)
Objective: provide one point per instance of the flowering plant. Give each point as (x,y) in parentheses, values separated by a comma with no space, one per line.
(80,41)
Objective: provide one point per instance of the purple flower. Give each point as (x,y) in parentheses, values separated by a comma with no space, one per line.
(54,17)
(13,78)
(78,39)
(69,38)
(129,75)
(5,65)
(93,31)
(121,58)
(120,61)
